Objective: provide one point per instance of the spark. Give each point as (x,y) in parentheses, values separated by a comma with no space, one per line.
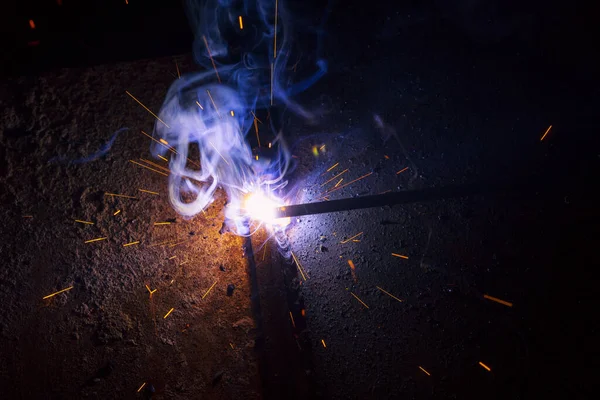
(141,387)
(31,24)
(389,294)
(162,243)
(299,266)
(347,240)
(117,212)
(340,181)
(218,152)
(209,289)
(131,243)
(163,141)
(213,102)
(343,172)
(84,222)
(506,303)
(322,148)
(401,171)
(163,158)
(211,58)
(232,113)
(351,182)
(119,195)
(156,165)
(386,157)
(356,241)
(547,130)
(147,109)
(161,223)
(152,292)
(149,290)
(400,255)
(178,243)
(27,216)
(352,269)
(423,369)
(241,22)
(167,314)
(292,318)
(148,191)
(256,129)
(177,67)
(55,293)
(170,258)
(159,142)
(323,342)
(361,302)
(202,108)
(254,115)
(95,240)
(333,166)
(151,169)
(275,30)
(231,344)
(485,366)
(183,263)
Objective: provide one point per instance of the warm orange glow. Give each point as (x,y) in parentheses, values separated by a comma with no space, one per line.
(148,191)
(547,130)
(209,289)
(361,302)
(211,59)
(167,314)
(261,207)
(31,24)
(163,141)
(131,244)
(423,369)
(352,269)
(84,222)
(400,255)
(355,236)
(333,166)
(401,171)
(55,293)
(484,366)
(497,300)
(159,142)
(389,294)
(95,240)
(241,22)
(147,109)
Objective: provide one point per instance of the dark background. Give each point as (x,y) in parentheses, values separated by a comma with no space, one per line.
(469,88)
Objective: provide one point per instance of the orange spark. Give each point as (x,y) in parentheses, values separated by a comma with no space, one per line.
(506,303)
(202,108)
(151,169)
(275,30)
(343,172)
(340,181)
(347,240)
(401,171)
(333,166)
(156,165)
(31,24)
(389,294)
(352,269)
(292,318)
(131,243)
(148,191)
(209,289)
(423,369)
(117,212)
(163,141)
(167,314)
(170,258)
(147,109)
(213,102)
(84,222)
(141,387)
(232,113)
(400,255)
(323,341)
(27,216)
(231,344)
(547,130)
(299,266)
(163,158)
(211,58)
(55,293)
(161,223)
(95,240)
(159,142)
(351,182)
(218,152)
(241,22)
(149,290)
(119,195)
(361,302)
(485,366)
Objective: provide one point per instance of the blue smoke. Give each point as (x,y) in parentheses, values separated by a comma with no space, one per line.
(214,109)
(102,151)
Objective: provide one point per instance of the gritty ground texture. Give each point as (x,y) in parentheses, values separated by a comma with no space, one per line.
(106,337)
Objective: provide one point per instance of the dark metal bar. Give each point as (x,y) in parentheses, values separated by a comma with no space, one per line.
(390,199)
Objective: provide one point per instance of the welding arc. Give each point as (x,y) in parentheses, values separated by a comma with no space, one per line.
(404,197)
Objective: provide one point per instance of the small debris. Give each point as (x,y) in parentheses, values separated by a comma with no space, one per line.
(222,268)
(323,249)
(230,289)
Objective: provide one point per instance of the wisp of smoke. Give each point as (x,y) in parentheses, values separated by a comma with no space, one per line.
(215,112)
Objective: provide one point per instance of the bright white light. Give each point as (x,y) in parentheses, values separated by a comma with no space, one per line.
(262,208)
